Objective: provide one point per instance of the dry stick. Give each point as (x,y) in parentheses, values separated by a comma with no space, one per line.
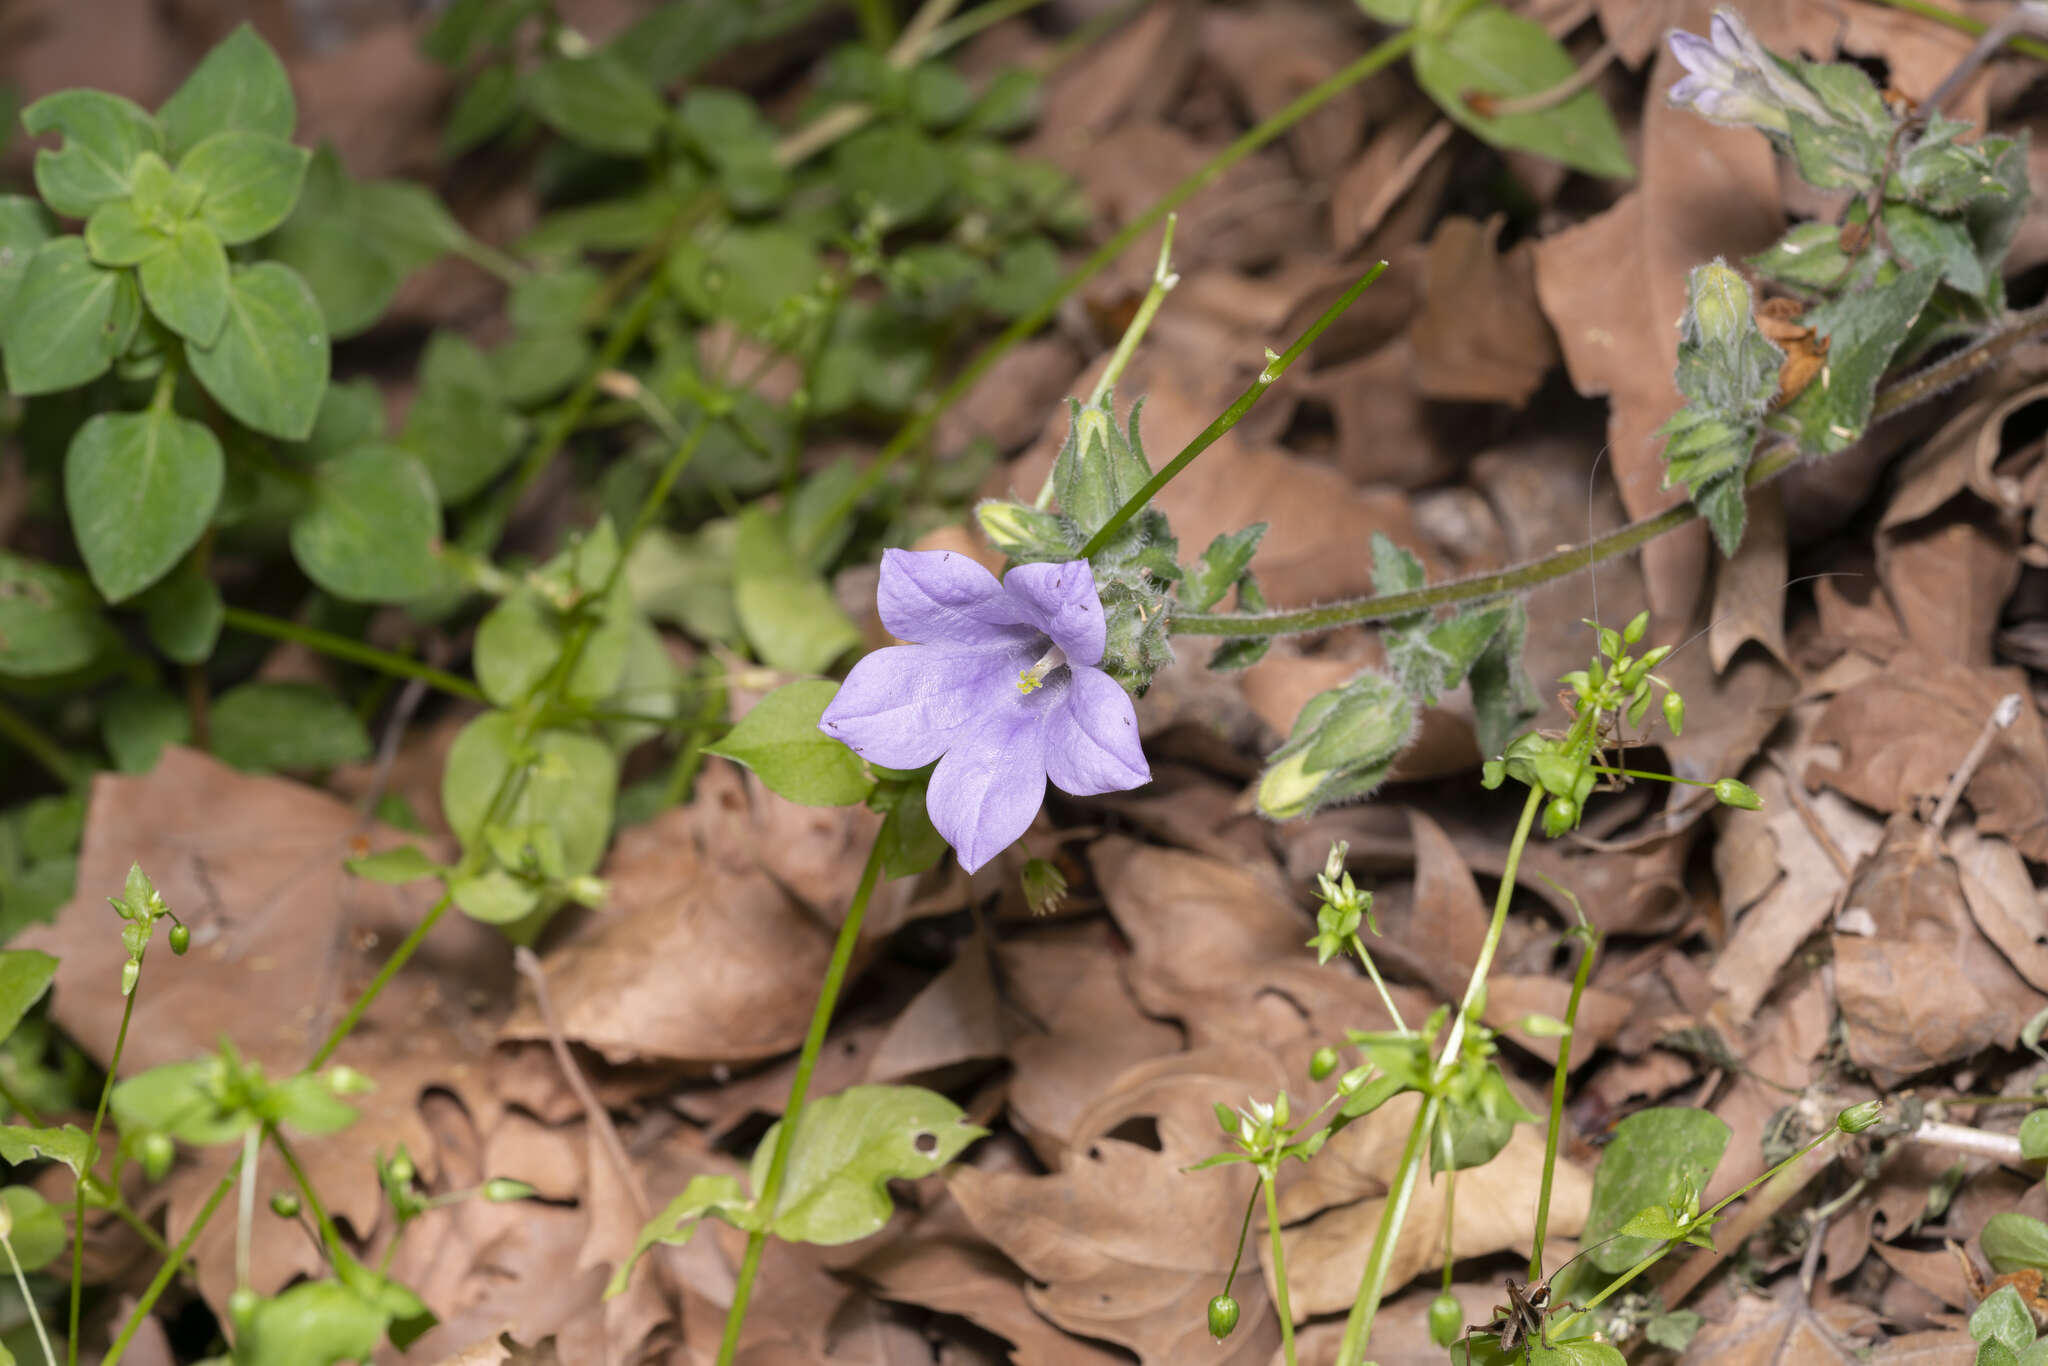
(594,1113)
(1403,179)
(2004,714)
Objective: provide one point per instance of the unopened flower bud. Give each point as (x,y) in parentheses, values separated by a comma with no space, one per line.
(1729,792)
(344,1080)
(1222,1317)
(1021,531)
(1322,1063)
(1857,1118)
(242,1303)
(1720,304)
(402,1171)
(158,1152)
(504,1190)
(1045,886)
(284,1205)
(1561,815)
(1446,1319)
(1674,712)
(131,973)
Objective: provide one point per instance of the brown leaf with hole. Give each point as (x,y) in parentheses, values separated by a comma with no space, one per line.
(1481,337)
(1902,733)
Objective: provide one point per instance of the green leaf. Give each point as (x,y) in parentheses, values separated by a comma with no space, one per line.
(687,580)
(271,726)
(39,1234)
(314,1323)
(485,108)
(140,488)
(24,976)
(519,641)
(1656,1157)
(350,274)
(66,322)
(50,621)
(269,368)
(894,170)
(69,1144)
(911,844)
(1577,1352)
(186,284)
(786,610)
(184,612)
(24,226)
(2034,1136)
(117,235)
(598,101)
(1220,567)
(780,741)
(1495,53)
(1863,330)
(371,532)
(744,274)
(409,222)
(248,181)
(351,415)
(1809,255)
(569,786)
(307,1103)
(103,135)
(406,863)
(1994,1353)
(138,721)
(458,424)
(2003,1317)
(240,86)
(730,133)
(717,1196)
(177,1099)
(2015,1242)
(1479,1117)
(848,1148)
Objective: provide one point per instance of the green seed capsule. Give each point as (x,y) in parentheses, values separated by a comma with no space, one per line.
(1323,1063)
(402,1171)
(1857,1118)
(157,1154)
(503,1190)
(1674,712)
(1222,1317)
(1446,1319)
(284,1205)
(242,1307)
(181,939)
(1738,794)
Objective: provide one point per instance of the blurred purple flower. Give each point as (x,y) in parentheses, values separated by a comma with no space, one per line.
(1002,683)
(1733,78)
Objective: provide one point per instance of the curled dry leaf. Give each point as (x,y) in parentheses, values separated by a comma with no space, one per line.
(1481,337)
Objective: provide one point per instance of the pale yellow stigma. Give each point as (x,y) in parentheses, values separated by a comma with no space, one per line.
(1033,678)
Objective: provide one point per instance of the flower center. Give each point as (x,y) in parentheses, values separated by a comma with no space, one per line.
(1033,678)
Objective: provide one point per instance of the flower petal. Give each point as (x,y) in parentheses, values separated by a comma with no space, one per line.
(941,597)
(1062,602)
(1091,738)
(990,784)
(901,705)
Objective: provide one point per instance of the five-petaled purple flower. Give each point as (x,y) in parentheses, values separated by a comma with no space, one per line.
(1001,682)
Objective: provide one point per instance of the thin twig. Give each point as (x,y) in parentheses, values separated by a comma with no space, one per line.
(2004,714)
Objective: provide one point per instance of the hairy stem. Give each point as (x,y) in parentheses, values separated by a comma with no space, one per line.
(1904,393)
(1230,416)
(799,1088)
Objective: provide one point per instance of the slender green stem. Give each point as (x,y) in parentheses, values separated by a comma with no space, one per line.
(1450,1224)
(920,426)
(22,733)
(1243,1229)
(162,1280)
(1163,281)
(329,1234)
(353,651)
(806,1062)
(92,1149)
(1650,776)
(954,32)
(245,1205)
(35,1315)
(1962,23)
(1557,1086)
(1372,970)
(1372,1285)
(398,959)
(17,1104)
(877,25)
(1895,398)
(1279,1260)
(492,261)
(1230,416)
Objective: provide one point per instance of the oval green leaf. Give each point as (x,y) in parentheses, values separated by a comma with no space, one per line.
(780,741)
(140,488)
(269,367)
(372,529)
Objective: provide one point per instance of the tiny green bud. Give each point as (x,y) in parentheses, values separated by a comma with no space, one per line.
(1227,1118)
(1322,1063)
(1561,815)
(96,1194)
(1637,624)
(1354,1081)
(1045,886)
(402,1170)
(344,1080)
(242,1307)
(1857,1118)
(504,1190)
(1222,1317)
(1543,1026)
(1280,1111)
(1333,865)
(181,939)
(1674,712)
(157,1154)
(1720,304)
(1446,1319)
(131,973)
(284,1205)
(1732,793)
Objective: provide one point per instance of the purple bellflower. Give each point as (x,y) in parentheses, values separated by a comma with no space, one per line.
(1002,682)
(1731,78)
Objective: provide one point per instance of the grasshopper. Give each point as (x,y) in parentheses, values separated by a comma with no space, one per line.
(1525,1318)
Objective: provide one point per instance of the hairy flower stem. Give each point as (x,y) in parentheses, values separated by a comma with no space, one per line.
(92,1149)
(770,1193)
(1230,416)
(1278,1257)
(1591,937)
(1372,1286)
(919,427)
(1907,392)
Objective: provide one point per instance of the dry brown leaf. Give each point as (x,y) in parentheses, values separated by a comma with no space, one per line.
(959,1016)
(1481,336)
(1783,1331)
(1902,733)
(1749,588)
(283,939)
(2002,900)
(1271,55)
(1952,1348)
